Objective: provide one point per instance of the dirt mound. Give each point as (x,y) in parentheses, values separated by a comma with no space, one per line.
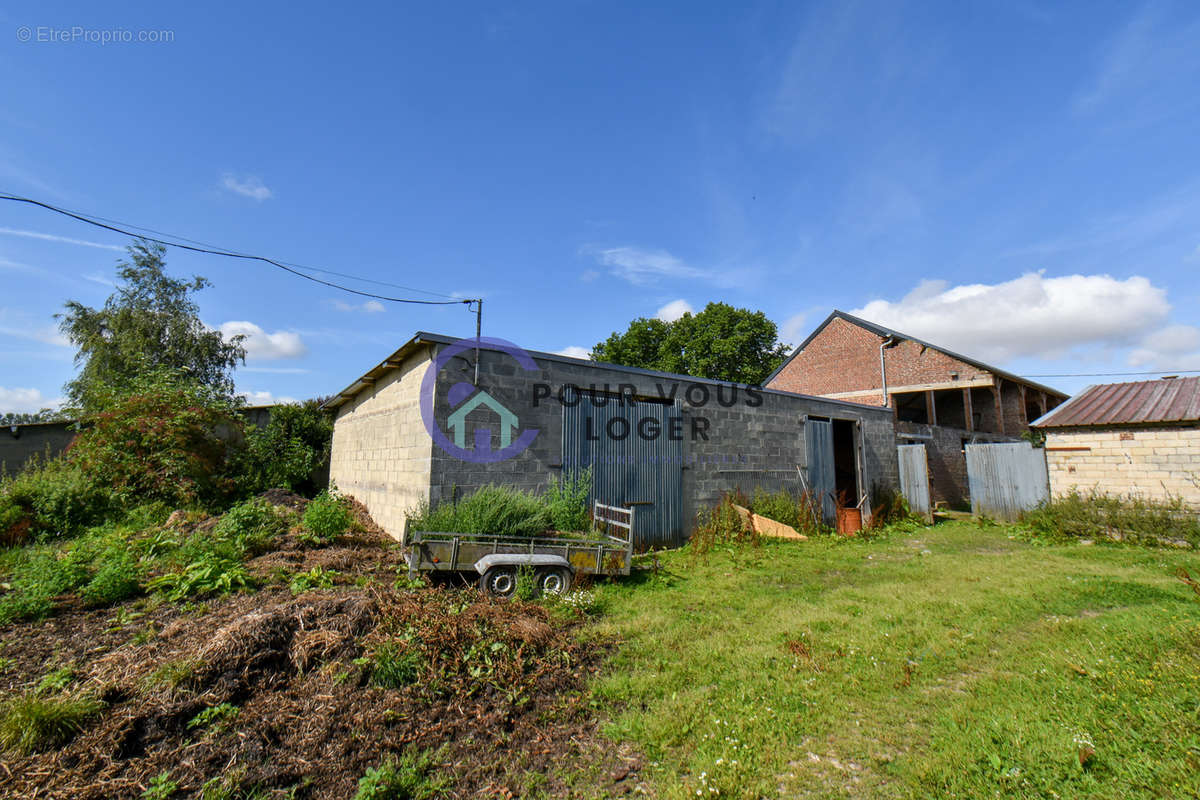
(493,687)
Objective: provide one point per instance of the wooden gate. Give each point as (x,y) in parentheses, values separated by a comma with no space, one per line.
(914,479)
(1006,479)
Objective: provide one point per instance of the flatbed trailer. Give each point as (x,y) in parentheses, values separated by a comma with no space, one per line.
(556,561)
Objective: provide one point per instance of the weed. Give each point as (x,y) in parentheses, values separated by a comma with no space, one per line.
(173,674)
(161,787)
(394,666)
(315,578)
(405,778)
(567,501)
(30,724)
(491,510)
(326,518)
(210,574)
(722,525)
(117,577)
(1133,520)
(250,527)
(526,584)
(56,680)
(216,717)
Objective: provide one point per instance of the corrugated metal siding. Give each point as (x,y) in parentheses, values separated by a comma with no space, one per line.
(914,478)
(1174,400)
(1006,479)
(818,441)
(635,471)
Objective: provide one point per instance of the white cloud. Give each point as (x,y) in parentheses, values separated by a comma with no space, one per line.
(793,330)
(574,351)
(1030,316)
(1175,347)
(641,267)
(674,310)
(369,307)
(249,186)
(22,326)
(48,237)
(22,400)
(265,398)
(264,346)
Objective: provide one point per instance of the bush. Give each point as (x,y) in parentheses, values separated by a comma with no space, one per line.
(159,441)
(567,499)
(249,527)
(289,452)
(117,577)
(1128,519)
(406,778)
(54,497)
(31,724)
(490,510)
(781,506)
(327,517)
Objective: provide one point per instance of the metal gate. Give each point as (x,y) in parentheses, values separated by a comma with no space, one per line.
(1006,479)
(914,479)
(632,465)
(818,444)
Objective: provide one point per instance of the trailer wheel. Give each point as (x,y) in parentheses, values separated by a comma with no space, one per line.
(499,581)
(553,580)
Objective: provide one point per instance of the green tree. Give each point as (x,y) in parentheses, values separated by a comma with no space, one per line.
(288,452)
(150,323)
(721,342)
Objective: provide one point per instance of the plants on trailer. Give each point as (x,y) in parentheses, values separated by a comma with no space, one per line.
(567,500)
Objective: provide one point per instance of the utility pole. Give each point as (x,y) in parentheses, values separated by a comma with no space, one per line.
(478,330)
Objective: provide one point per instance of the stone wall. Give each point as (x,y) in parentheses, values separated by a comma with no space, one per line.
(381,451)
(1151,462)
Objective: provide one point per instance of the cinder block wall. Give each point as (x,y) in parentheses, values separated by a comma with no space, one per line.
(845,358)
(35,440)
(747,447)
(1153,463)
(381,451)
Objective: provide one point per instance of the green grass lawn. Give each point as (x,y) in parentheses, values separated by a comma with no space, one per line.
(950,662)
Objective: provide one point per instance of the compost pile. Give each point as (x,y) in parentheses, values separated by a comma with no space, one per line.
(320,685)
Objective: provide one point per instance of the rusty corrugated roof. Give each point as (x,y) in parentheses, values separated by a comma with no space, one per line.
(1170,400)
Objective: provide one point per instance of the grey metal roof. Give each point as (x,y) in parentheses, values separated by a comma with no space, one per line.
(424,338)
(880,330)
(1157,401)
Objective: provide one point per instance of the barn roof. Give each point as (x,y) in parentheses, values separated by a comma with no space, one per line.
(1139,402)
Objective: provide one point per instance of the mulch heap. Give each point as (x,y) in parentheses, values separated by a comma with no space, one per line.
(495,689)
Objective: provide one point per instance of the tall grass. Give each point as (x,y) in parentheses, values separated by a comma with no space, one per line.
(489,510)
(1127,519)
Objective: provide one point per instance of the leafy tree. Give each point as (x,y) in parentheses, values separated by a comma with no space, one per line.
(721,342)
(42,415)
(288,451)
(149,323)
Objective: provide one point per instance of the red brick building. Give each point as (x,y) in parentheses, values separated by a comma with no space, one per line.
(940,398)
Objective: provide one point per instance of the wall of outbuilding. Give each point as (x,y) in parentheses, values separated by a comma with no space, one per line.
(20,444)
(381,453)
(1157,463)
(746,447)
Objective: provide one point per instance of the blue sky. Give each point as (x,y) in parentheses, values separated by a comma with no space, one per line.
(1019,181)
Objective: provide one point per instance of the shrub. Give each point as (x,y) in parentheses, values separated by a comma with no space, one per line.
(30,724)
(491,510)
(327,517)
(393,666)
(781,506)
(289,451)
(406,778)
(159,440)
(249,527)
(567,500)
(1127,519)
(52,497)
(116,578)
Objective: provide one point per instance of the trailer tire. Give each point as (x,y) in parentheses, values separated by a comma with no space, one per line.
(553,580)
(499,581)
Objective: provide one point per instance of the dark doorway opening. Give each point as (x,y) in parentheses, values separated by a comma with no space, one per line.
(845,464)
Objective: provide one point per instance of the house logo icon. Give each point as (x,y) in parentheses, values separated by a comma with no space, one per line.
(458,422)
(463,398)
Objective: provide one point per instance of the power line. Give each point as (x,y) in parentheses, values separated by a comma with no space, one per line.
(1113,374)
(200,247)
